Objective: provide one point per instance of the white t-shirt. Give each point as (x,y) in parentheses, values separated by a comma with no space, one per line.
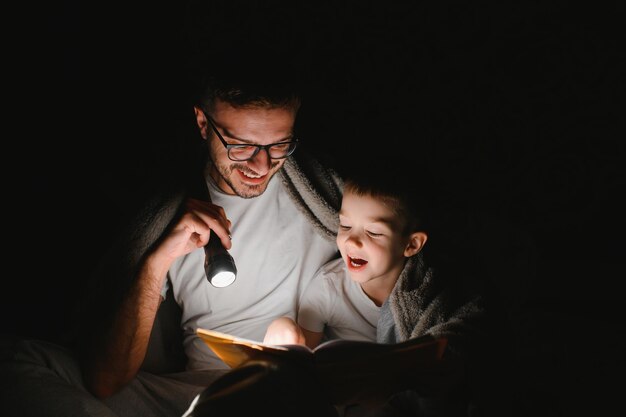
(336,305)
(276,251)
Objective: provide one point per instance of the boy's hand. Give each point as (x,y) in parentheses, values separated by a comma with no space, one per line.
(284,331)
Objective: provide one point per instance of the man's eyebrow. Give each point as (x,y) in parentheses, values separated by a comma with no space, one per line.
(227,133)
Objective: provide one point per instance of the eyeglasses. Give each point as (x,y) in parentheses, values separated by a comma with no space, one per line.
(241,152)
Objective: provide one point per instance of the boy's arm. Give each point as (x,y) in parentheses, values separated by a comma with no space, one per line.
(312,338)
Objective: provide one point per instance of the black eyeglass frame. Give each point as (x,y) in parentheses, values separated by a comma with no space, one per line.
(293,144)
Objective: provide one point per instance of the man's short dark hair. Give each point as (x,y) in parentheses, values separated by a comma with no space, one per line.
(249,76)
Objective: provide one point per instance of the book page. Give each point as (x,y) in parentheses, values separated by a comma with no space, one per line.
(234,351)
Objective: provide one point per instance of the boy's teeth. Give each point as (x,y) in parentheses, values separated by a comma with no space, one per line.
(357,262)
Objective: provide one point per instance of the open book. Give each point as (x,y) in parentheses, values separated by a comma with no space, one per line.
(351,371)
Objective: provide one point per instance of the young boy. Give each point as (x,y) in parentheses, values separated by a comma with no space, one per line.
(377,235)
(381,288)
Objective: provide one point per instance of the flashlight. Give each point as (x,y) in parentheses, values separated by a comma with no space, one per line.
(219,265)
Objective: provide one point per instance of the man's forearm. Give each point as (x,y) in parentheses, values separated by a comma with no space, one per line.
(116,361)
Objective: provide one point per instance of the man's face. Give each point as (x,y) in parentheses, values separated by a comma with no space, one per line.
(250,126)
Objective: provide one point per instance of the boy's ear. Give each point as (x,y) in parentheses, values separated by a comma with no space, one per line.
(417,240)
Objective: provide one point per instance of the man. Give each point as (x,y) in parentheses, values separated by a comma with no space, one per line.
(279,210)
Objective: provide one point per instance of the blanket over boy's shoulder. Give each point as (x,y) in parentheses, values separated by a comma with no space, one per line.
(425,303)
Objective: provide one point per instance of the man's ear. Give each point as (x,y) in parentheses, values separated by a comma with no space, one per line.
(417,240)
(201,121)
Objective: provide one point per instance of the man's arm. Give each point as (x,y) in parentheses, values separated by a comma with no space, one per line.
(117,361)
(116,358)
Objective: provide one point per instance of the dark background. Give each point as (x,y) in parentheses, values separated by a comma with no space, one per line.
(520,109)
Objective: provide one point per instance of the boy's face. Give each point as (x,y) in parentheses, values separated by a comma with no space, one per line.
(370,240)
(251,126)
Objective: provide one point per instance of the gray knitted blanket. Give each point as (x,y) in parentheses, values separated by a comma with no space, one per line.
(315,189)
(418,304)
(421,304)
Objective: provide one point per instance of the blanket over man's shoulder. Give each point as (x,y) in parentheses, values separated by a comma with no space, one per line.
(315,189)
